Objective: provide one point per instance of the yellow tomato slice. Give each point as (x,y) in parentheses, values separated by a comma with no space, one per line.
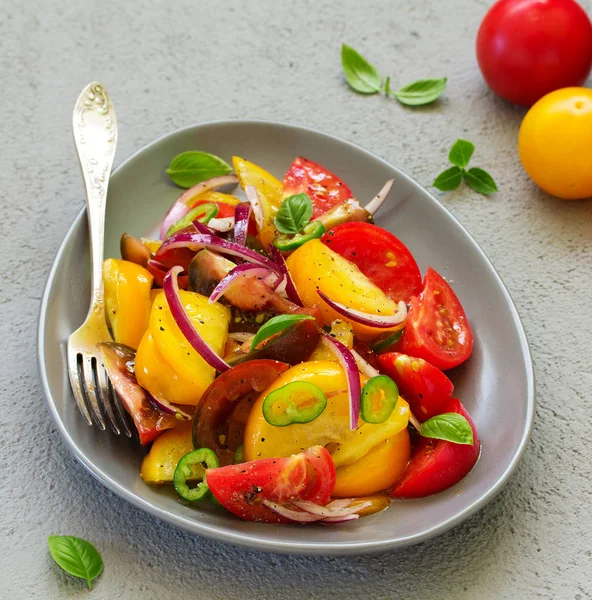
(127,300)
(159,464)
(268,187)
(263,440)
(343,332)
(218,197)
(152,245)
(378,470)
(210,320)
(159,378)
(314,267)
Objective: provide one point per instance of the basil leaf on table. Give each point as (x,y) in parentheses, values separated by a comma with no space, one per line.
(450,427)
(294,213)
(480,181)
(477,179)
(449,180)
(461,152)
(276,325)
(193,167)
(421,92)
(76,556)
(359,73)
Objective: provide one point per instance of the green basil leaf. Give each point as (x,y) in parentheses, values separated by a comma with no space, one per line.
(451,427)
(449,180)
(76,556)
(294,213)
(360,74)
(193,167)
(421,92)
(481,181)
(274,326)
(460,154)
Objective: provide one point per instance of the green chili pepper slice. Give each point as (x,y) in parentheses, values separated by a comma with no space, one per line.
(191,466)
(203,213)
(296,402)
(315,229)
(383,344)
(379,398)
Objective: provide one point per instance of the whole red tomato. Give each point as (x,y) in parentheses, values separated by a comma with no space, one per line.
(528,48)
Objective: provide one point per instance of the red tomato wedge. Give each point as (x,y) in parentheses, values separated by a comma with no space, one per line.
(325,189)
(241,488)
(212,418)
(424,386)
(383,258)
(437,328)
(437,464)
(150,421)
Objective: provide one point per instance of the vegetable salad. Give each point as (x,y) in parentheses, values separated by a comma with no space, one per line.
(283,355)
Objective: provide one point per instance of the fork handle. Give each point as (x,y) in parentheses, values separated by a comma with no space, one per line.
(95,134)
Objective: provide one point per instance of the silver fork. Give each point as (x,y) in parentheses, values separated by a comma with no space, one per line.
(95,134)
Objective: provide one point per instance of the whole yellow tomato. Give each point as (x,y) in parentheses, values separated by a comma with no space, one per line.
(555,143)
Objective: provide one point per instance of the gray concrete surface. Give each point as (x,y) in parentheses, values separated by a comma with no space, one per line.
(170,64)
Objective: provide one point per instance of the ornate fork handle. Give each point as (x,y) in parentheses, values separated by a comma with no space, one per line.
(95,134)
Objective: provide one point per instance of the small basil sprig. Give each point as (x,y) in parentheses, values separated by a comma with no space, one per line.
(477,179)
(451,427)
(364,78)
(274,326)
(292,220)
(76,556)
(293,214)
(193,167)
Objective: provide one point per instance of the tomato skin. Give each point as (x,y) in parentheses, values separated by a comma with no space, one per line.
(424,386)
(383,258)
(241,488)
(437,464)
(325,189)
(437,328)
(211,417)
(528,48)
(554,143)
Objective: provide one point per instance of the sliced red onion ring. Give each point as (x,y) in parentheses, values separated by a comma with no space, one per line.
(167,407)
(203,228)
(253,198)
(377,201)
(242,213)
(221,225)
(336,520)
(181,206)
(197,241)
(330,511)
(341,503)
(279,285)
(291,291)
(246,270)
(348,362)
(295,515)
(364,366)
(378,321)
(155,265)
(173,297)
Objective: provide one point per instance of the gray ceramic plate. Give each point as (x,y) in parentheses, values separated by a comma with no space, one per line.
(496,384)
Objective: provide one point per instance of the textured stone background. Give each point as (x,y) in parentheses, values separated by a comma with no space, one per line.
(171,64)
